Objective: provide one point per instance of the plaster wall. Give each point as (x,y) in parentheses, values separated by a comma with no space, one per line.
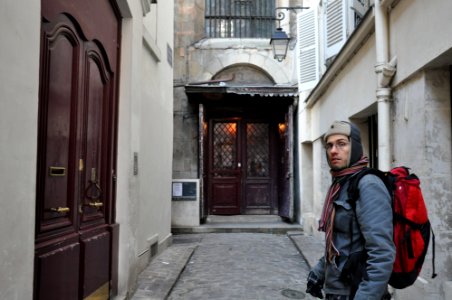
(409,39)
(306,190)
(422,112)
(185,213)
(321,179)
(19,87)
(156,124)
(145,136)
(351,92)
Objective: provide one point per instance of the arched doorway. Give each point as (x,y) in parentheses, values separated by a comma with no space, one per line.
(245,140)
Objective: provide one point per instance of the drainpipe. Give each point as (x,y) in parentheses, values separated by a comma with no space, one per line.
(385,71)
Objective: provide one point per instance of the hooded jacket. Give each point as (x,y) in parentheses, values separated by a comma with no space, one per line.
(371,230)
(367,229)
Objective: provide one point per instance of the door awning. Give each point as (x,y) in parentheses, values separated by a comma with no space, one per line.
(262,91)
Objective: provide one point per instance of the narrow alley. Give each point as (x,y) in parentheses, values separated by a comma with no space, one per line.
(178,149)
(226,266)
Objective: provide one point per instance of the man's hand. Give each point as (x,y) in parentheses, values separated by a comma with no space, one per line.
(314,285)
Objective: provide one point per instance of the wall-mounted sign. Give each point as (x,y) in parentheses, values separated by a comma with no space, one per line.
(185,190)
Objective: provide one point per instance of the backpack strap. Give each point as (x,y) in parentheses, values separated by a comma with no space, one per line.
(433,251)
(353,190)
(354,270)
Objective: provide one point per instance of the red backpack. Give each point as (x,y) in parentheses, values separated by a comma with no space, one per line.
(411,225)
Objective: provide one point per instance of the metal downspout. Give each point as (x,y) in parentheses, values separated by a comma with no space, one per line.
(385,71)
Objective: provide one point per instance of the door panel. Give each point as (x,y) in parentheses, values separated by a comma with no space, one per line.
(224,168)
(96,240)
(225,194)
(257,196)
(57,270)
(286,167)
(257,180)
(59,105)
(96,259)
(97,105)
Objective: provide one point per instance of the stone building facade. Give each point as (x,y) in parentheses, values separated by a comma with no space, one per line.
(233,109)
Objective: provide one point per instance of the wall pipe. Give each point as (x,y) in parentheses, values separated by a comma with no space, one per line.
(385,71)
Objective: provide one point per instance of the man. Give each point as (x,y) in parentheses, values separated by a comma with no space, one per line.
(359,248)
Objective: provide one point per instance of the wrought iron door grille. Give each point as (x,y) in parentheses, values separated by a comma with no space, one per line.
(257,149)
(239,18)
(224,146)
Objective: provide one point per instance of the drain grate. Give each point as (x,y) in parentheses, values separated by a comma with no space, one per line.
(293,294)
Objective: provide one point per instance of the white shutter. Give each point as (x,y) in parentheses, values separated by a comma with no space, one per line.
(335,26)
(308,47)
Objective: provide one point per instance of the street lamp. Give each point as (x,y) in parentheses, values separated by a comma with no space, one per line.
(280,43)
(280,40)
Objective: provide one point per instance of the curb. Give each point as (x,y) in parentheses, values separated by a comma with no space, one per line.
(162,273)
(310,247)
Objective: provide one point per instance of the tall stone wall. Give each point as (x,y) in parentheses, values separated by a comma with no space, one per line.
(188,28)
(422,141)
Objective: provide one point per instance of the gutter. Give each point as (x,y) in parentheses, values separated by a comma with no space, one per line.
(385,71)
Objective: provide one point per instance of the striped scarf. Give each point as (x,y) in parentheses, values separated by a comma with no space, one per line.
(326,222)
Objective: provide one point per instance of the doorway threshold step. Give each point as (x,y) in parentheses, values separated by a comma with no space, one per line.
(214,219)
(240,223)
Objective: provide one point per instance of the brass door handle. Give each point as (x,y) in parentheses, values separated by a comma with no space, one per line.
(60,209)
(95,204)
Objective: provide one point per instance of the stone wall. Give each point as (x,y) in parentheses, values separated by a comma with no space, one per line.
(422,141)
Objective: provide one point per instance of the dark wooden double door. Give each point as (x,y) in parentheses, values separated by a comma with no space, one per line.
(75,228)
(245,165)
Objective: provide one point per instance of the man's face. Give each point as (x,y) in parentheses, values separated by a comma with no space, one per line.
(338,151)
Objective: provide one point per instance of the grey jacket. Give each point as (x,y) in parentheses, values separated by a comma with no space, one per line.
(371,229)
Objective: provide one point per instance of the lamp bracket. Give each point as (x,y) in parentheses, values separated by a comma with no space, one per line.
(281,15)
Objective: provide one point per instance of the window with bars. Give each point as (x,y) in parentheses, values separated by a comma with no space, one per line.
(239,18)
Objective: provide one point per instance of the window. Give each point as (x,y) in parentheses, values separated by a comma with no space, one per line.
(335,26)
(240,18)
(308,68)
(341,19)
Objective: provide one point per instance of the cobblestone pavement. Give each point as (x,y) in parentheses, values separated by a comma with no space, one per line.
(241,266)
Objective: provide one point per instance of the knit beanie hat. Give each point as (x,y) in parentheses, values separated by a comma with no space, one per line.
(352,131)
